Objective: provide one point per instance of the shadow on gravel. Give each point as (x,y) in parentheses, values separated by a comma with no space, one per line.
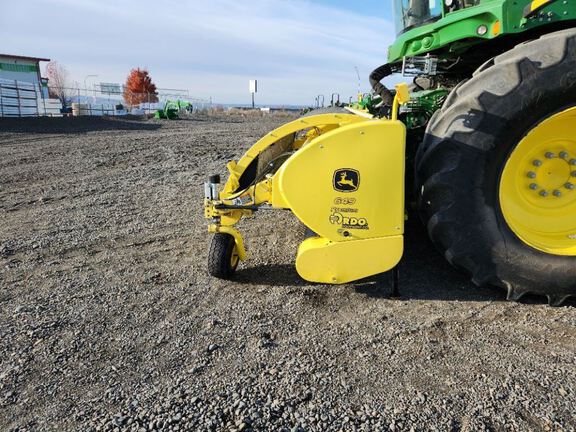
(74,125)
(272,274)
(426,275)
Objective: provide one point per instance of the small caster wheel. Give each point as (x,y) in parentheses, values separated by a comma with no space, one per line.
(223,256)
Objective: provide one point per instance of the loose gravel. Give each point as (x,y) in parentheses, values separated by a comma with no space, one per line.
(109,322)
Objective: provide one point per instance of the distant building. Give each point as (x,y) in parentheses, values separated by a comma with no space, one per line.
(26,69)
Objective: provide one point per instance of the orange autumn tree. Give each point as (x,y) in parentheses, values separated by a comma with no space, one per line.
(139,88)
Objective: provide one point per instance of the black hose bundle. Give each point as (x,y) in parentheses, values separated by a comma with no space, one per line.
(375,77)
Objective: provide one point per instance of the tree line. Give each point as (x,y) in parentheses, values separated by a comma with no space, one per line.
(138,87)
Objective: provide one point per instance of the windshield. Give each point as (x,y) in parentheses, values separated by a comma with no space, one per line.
(413,13)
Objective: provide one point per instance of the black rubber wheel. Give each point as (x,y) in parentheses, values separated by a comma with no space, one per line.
(223,256)
(465,149)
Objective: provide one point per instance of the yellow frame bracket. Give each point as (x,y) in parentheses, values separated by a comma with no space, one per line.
(402,97)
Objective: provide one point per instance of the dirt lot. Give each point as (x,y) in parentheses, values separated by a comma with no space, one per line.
(108,320)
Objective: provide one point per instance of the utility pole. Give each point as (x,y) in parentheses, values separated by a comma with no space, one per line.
(253,89)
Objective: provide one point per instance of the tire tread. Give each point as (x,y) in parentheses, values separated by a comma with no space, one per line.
(437,163)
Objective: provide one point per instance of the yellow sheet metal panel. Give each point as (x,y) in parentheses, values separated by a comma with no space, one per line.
(322,121)
(349,184)
(320,260)
(277,199)
(538,3)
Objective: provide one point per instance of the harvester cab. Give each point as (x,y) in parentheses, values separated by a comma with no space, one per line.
(409,14)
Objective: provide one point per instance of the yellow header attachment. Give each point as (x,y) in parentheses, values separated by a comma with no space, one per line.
(341,175)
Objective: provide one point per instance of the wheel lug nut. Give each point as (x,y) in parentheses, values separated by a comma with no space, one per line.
(533,186)
(531,174)
(564,155)
(572,161)
(543,193)
(549,155)
(573,173)
(538,163)
(557,193)
(569,186)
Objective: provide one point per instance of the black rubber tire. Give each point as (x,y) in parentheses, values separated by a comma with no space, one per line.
(220,263)
(466,146)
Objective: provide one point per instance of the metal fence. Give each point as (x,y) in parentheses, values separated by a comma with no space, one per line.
(25,99)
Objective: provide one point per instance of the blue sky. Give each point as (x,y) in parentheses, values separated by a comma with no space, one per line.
(296,49)
(379,8)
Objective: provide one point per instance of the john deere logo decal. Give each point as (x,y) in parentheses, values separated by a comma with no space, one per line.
(346,180)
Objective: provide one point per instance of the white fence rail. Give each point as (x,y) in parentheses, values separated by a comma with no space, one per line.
(25,99)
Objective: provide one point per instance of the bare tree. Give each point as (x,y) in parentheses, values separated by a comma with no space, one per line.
(58,82)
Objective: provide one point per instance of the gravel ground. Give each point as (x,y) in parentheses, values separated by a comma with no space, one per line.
(108,320)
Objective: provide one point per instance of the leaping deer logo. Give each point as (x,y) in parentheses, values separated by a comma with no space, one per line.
(346,180)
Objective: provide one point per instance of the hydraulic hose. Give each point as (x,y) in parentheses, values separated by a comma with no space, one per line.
(375,77)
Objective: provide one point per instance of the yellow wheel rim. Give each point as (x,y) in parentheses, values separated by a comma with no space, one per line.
(538,186)
(234,258)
